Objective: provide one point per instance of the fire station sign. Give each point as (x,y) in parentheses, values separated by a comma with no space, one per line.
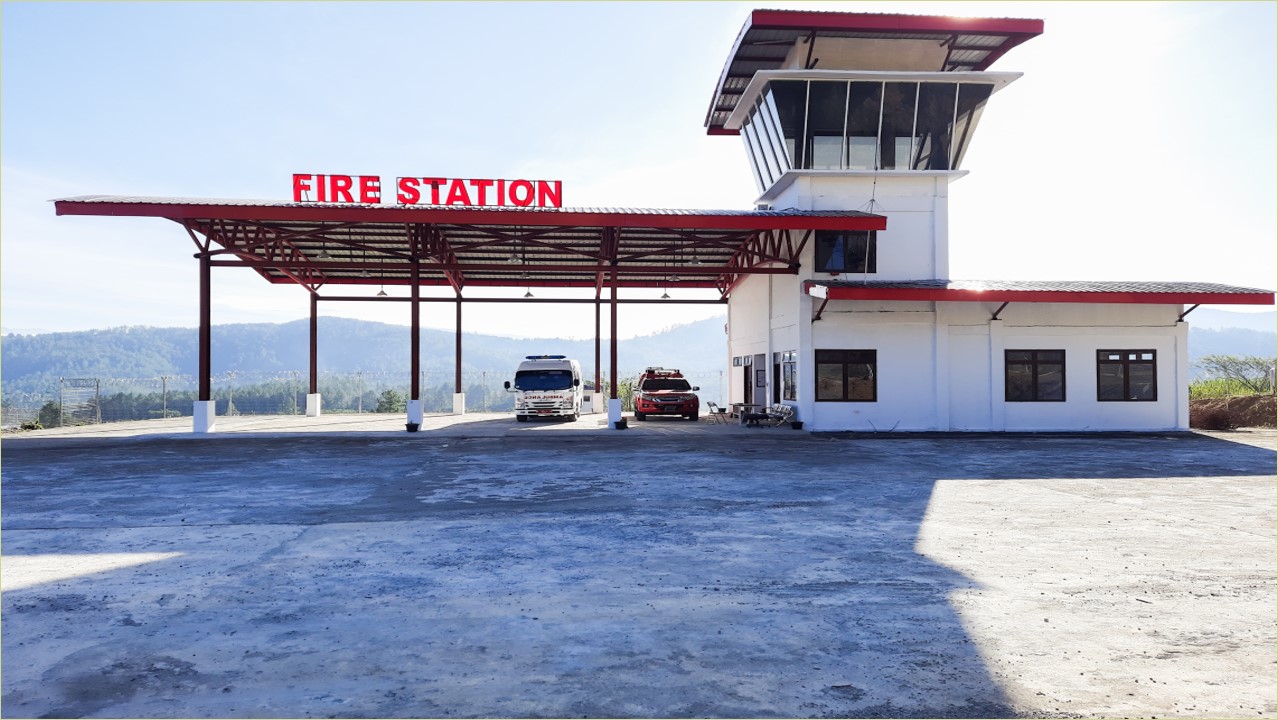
(429,191)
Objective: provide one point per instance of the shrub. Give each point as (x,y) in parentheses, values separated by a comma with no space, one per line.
(1214,419)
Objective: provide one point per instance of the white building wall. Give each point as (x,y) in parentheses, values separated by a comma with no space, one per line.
(748,329)
(943,369)
(941,365)
(905,344)
(914,246)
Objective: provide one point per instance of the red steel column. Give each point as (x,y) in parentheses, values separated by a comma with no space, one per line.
(416,363)
(206,335)
(598,369)
(612,341)
(314,343)
(457,382)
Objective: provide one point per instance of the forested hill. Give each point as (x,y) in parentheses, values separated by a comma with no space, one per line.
(31,362)
(35,362)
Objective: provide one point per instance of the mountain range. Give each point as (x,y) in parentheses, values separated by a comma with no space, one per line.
(29,363)
(34,362)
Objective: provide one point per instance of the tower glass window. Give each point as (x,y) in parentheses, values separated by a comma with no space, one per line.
(933,126)
(827,109)
(971,101)
(865,99)
(896,137)
(790,98)
(862,125)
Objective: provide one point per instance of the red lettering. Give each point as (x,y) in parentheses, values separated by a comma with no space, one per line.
(434,188)
(408,194)
(457,194)
(527,187)
(340,188)
(549,193)
(473,192)
(301,186)
(370,189)
(481,188)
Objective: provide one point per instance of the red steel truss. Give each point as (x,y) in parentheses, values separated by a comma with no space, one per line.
(317,246)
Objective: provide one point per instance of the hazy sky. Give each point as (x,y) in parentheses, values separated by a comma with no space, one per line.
(1140,144)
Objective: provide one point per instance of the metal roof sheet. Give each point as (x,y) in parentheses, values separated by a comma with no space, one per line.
(313,244)
(1121,291)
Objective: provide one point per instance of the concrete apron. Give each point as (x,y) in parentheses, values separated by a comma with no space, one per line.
(786,575)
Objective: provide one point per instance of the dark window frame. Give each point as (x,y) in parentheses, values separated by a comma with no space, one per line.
(824,251)
(1125,362)
(787,367)
(1034,362)
(843,359)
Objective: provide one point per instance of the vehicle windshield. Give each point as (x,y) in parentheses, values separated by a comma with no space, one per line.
(543,379)
(655,384)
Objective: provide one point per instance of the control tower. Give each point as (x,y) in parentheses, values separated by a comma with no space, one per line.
(868,112)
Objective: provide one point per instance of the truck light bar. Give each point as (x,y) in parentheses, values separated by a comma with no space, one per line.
(545,357)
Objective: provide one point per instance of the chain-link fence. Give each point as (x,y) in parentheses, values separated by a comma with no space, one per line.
(91,400)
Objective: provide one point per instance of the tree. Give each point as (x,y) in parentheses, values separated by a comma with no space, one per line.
(50,415)
(1255,374)
(391,401)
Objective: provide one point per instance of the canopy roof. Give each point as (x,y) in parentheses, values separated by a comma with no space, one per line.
(768,36)
(1066,291)
(318,244)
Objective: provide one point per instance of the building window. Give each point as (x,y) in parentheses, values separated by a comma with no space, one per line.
(1126,375)
(847,375)
(787,364)
(1034,375)
(852,252)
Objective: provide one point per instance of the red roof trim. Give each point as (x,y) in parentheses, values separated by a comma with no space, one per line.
(1058,296)
(820,20)
(471,216)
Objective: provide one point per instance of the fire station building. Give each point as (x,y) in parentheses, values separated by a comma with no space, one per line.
(874,113)
(837,283)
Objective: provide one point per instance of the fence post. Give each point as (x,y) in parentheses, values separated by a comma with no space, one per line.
(230,397)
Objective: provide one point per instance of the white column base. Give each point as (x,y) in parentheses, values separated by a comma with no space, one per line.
(205,416)
(313,405)
(459,403)
(415,411)
(614,415)
(596,403)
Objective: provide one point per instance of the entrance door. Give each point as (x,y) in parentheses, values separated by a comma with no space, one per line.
(747,384)
(759,373)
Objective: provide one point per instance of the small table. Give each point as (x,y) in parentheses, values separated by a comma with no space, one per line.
(739,410)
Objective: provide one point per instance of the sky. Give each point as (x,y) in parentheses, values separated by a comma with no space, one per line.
(1139,145)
